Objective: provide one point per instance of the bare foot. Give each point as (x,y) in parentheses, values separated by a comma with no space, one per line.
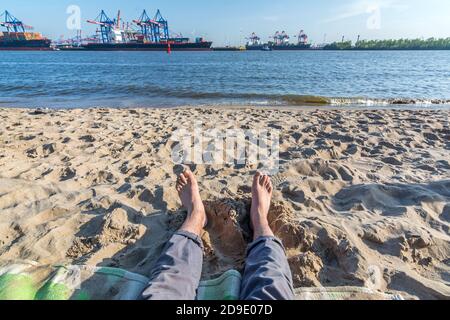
(261,197)
(189,193)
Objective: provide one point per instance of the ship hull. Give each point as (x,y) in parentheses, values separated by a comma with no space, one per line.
(201,46)
(292,47)
(255,48)
(227,49)
(279,48)
(25,45)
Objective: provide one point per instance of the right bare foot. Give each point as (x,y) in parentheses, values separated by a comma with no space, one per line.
(262,190)
(189,193)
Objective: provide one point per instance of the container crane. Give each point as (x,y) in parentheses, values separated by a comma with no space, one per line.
(284,38)
(253,40)
(281,38)
(161,30)
(12,24)
(153,30)
(107,27)
(302,37)
(148,27)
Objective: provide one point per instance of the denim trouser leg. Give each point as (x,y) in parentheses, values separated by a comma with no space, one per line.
(176,275)
(267,275)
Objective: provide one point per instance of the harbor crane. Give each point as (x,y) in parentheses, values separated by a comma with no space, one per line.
(281,38)
(154,30)
(161,30)
(107,26)
(302,37)
(12,24)
(253,39)
(148,26)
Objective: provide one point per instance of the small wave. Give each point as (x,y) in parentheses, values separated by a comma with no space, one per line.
(302,100)
(144,92)
(387,102)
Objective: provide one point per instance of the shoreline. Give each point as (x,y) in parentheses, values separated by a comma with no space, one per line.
(225,107)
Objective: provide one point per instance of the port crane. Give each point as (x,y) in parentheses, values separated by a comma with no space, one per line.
(149,27)
(253,40)
(281,38)
(302,37)
(12,24)
(107,26)
(161,30)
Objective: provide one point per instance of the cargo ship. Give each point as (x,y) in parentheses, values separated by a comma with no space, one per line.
(281,41)
(17,38)
(254,43)
(152,35)
(171,45)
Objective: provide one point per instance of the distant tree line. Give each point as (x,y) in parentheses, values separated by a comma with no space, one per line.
(400,44)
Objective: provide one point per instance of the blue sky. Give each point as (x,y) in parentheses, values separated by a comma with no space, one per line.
(229,21)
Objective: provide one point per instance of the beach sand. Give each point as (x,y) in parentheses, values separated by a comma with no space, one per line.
(362,197)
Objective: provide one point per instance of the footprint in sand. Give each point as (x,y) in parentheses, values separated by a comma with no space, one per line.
(115,228)
(225,232)
(87,138)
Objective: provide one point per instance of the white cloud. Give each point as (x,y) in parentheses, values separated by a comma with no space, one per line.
(363,7)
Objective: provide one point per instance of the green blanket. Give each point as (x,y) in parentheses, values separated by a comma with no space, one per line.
(31,281)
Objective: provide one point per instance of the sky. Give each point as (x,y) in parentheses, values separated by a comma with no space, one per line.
(229,22)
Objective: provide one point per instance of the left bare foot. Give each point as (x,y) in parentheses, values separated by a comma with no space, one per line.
(189,193)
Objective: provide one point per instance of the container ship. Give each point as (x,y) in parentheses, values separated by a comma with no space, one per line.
(254,43)
(17,38)
(144,34)
(281,41)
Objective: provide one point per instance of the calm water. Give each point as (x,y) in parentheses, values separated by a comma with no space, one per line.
(131,79)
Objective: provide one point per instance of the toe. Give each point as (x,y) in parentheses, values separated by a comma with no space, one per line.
(270,187)
(183,179)
(261,180)
(256,177)
(264,180)
(267,182)
(189,175)
(181,183)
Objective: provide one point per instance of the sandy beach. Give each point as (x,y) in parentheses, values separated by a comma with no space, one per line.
(362,196)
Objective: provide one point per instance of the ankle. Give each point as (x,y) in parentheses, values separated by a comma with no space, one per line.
(259,219)
(261,227)
(195,221)
(262,231)
(192,226)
